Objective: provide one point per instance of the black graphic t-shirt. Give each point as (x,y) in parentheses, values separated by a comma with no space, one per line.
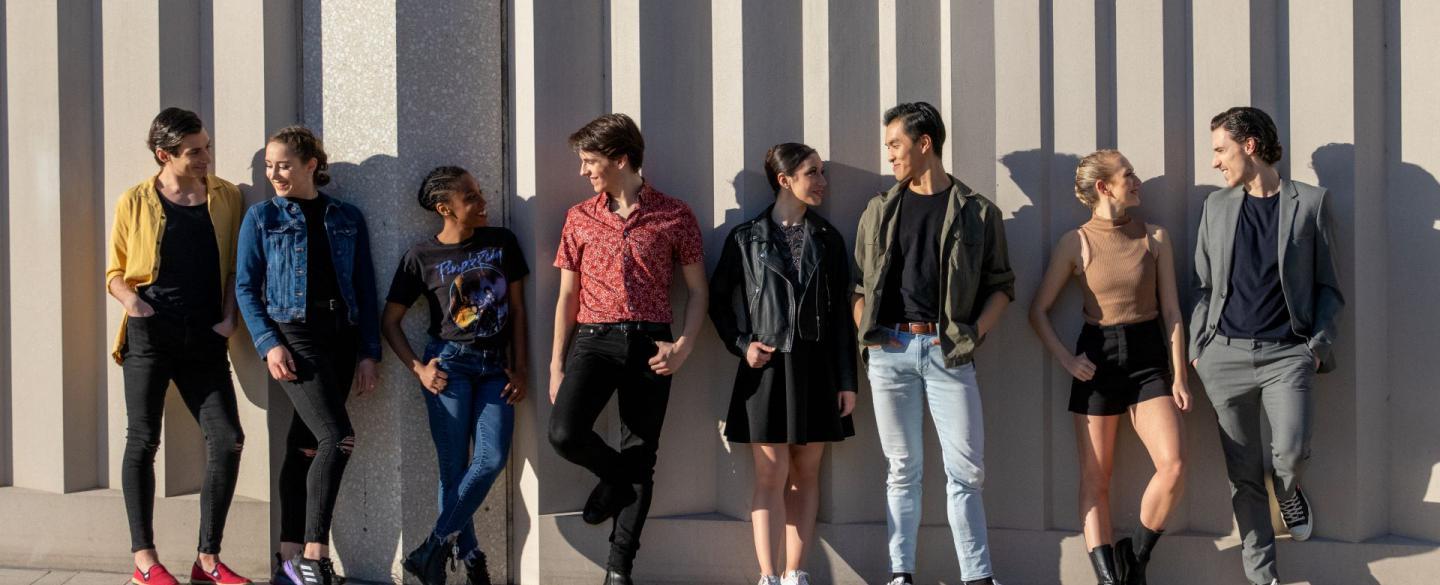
(465,284)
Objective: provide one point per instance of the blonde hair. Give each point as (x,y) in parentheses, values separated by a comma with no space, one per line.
(1095,167)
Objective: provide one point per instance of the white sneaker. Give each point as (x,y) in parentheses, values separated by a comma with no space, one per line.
(795,578)
(769,580)
(897,581)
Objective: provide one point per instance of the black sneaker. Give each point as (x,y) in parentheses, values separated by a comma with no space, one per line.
(427,562)
(477,572)
(303,571)
(607,500)
(1297,515)
(328,567)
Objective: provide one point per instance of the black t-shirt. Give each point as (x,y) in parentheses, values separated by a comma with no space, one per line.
(321,285)
(188,283)
(467,285)
(912,286)
(1256,307)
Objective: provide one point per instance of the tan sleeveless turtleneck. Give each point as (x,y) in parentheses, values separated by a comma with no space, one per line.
(1118,272)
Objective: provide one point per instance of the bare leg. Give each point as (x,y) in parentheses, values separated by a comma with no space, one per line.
(316,551)
(802,502)
(1160,428)
(767,503)
(146,558)
(1095,440)
(288,550)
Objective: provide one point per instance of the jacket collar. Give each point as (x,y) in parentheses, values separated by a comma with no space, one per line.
(151,196)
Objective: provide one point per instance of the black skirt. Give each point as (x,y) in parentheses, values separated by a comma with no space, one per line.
(1132,365)
(792,399)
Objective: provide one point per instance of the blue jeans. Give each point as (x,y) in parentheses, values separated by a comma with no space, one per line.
(902,380)
(469,408)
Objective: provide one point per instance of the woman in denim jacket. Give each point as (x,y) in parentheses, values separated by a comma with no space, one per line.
(475,365)
(306,288)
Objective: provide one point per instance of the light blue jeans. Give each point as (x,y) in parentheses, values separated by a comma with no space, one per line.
(902,380)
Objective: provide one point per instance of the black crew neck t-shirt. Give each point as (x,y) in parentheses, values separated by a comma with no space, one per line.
(321,284)
(912,286)
(466,285)
(1255,307)
(188,283)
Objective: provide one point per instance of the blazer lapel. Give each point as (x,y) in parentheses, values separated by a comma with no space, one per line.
(1288,204)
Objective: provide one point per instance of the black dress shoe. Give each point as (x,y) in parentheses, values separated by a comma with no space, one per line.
(616,577)
(607,500)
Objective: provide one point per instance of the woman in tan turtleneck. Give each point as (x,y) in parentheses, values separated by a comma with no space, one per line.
(1122,363)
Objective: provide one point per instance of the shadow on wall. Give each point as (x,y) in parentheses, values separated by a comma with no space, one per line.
(367,525)
(1412,228)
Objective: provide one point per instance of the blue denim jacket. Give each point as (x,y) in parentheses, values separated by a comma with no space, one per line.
(270,279)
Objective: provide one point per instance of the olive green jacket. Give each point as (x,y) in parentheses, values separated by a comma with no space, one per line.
(973,263)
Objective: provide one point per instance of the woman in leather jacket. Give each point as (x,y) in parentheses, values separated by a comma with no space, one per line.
(779,300)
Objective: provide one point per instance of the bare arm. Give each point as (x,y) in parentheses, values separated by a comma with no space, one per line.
(229,311)
(1062,264)
(1170,312)
(671,356)
(519,372)
(429,374)
(567,306)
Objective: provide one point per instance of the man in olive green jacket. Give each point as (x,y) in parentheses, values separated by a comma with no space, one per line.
(931,279)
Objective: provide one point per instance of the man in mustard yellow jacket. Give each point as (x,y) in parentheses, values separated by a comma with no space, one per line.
(172,268)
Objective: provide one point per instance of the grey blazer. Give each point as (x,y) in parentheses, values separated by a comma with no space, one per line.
(1307,266)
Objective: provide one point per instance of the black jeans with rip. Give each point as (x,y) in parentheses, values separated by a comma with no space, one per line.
(160,349)
(318,445)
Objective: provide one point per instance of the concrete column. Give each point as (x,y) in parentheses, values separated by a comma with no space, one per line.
(57,353)
(557,88)
(255,42)
(1413,217)
(1011,367)
(131,63)
(358,116)
(850,142)
(1323,136)
(1075,110)
(1220,79)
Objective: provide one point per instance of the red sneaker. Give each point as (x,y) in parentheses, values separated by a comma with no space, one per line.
(222,575)
(157,575)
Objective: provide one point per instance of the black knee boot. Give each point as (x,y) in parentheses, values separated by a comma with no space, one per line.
(1103,559)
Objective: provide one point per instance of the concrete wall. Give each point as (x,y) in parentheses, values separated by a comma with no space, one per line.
(1027,87)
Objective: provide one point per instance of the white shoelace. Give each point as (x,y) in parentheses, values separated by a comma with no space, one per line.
(795,578)
(1292,511)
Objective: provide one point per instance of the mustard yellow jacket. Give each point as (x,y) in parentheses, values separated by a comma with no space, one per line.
(139,224)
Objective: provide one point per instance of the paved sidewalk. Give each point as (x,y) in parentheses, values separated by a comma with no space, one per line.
(44,577)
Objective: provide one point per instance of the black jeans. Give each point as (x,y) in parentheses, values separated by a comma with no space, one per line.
(604,359)
(320,439)
(159,349)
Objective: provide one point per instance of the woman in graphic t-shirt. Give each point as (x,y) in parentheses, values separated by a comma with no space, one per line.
(474,367)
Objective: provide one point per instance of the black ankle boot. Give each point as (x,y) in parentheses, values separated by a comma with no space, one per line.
(477,571)
(1103,559)
(1143,544)
(427,562)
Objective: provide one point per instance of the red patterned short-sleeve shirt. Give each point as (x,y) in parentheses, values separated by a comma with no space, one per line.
(625,265)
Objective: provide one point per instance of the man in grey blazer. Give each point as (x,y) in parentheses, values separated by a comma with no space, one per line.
(1264,321)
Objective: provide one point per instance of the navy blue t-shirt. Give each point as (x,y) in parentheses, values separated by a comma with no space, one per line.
(1256,307)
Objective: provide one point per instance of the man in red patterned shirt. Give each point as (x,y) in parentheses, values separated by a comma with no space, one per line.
(617,254)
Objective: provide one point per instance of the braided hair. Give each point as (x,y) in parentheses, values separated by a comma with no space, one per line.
(437,186)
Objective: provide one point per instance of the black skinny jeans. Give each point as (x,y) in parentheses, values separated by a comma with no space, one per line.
(603,360)
(159,349)
(320,439)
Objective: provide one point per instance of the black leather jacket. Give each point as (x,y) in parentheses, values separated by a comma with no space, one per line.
(754,297)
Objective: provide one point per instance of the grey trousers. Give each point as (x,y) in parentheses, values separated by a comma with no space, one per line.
(1246,379)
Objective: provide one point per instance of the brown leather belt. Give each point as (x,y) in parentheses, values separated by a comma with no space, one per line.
(916,328)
